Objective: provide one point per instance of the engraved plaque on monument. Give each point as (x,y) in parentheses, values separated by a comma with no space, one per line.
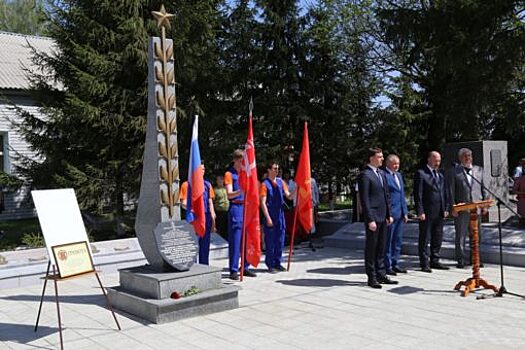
(177,244)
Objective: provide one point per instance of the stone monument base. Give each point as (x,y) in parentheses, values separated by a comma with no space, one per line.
(146,293)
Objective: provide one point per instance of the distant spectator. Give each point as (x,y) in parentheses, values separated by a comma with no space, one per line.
(519,170)
(315,203)
(221,204)
(519,189)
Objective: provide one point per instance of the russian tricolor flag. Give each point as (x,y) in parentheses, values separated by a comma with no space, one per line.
(195,199)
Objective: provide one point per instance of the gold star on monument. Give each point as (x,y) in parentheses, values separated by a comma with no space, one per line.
(162,17)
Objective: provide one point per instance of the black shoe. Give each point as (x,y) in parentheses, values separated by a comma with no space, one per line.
(280,268)
(460,265)
(481,265)
(439,266)
(386,280)
(272,270)
(249,273)
(374,284)
(399,269)
(426,269)
(234,276)
(391,273)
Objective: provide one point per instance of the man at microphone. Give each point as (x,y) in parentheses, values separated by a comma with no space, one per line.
(465,185)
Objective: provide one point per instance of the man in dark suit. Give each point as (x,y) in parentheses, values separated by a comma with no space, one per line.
(463,187)
(375,199)
(432,206)
(394,237)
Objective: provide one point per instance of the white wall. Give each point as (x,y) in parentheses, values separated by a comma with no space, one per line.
(17,205)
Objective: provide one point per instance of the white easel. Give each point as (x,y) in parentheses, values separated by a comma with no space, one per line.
(61,224)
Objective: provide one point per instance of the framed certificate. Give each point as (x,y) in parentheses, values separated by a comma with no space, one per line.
(73,259)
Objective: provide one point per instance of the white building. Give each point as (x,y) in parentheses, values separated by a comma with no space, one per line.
(15,60)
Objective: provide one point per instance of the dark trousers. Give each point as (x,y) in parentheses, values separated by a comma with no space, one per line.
(375,251)
(221,222)
(204,243)
(430,230)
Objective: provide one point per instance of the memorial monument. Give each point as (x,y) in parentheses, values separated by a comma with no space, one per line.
(171,286)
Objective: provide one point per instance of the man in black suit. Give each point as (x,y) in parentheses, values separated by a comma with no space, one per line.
(430,197)
(375,200)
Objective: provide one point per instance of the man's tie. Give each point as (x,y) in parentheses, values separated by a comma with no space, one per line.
(469,175)
(396,179)
(378,172)
(436,176)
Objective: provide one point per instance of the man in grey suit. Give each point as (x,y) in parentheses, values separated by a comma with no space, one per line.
(465,185)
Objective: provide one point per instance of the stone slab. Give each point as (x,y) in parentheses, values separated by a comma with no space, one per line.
(352,236)
(168,310)
(148,283)
(27,267)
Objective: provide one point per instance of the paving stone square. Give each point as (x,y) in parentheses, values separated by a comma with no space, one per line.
(321,303)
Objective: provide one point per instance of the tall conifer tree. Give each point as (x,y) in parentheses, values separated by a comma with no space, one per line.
(93,91)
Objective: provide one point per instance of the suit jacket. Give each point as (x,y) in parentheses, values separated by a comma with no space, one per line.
(397,195)
(375,198)
(459,189)
(430,194)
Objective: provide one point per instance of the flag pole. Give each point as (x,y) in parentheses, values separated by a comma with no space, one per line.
(243,239)
(302,178)
(290,251)
(243,235)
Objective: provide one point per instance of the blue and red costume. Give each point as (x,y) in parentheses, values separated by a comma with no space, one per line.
(274,236)
(235,221)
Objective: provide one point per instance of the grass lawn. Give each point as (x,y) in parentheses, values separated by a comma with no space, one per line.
(14,230)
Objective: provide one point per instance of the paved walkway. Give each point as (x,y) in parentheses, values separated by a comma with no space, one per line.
(322,303)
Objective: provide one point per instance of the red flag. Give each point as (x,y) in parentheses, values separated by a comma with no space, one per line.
(304,189)
(250,185)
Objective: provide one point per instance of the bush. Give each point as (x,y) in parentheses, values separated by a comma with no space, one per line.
(33,240)
(9,182)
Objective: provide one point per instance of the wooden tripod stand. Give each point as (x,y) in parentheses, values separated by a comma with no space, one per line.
(55,278)
(475,281)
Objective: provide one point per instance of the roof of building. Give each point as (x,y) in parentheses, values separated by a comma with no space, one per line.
(15,58)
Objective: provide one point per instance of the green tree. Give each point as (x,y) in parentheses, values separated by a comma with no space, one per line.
(23,17)
(196,32)
(276,83)
(93,91)
(341,88)
(238,55)
(462,56)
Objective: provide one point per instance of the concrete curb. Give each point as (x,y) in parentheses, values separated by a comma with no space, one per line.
(352,236)
(27,267)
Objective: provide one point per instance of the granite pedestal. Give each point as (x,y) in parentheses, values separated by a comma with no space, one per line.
(145,293)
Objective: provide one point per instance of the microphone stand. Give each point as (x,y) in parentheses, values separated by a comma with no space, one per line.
(502,290)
